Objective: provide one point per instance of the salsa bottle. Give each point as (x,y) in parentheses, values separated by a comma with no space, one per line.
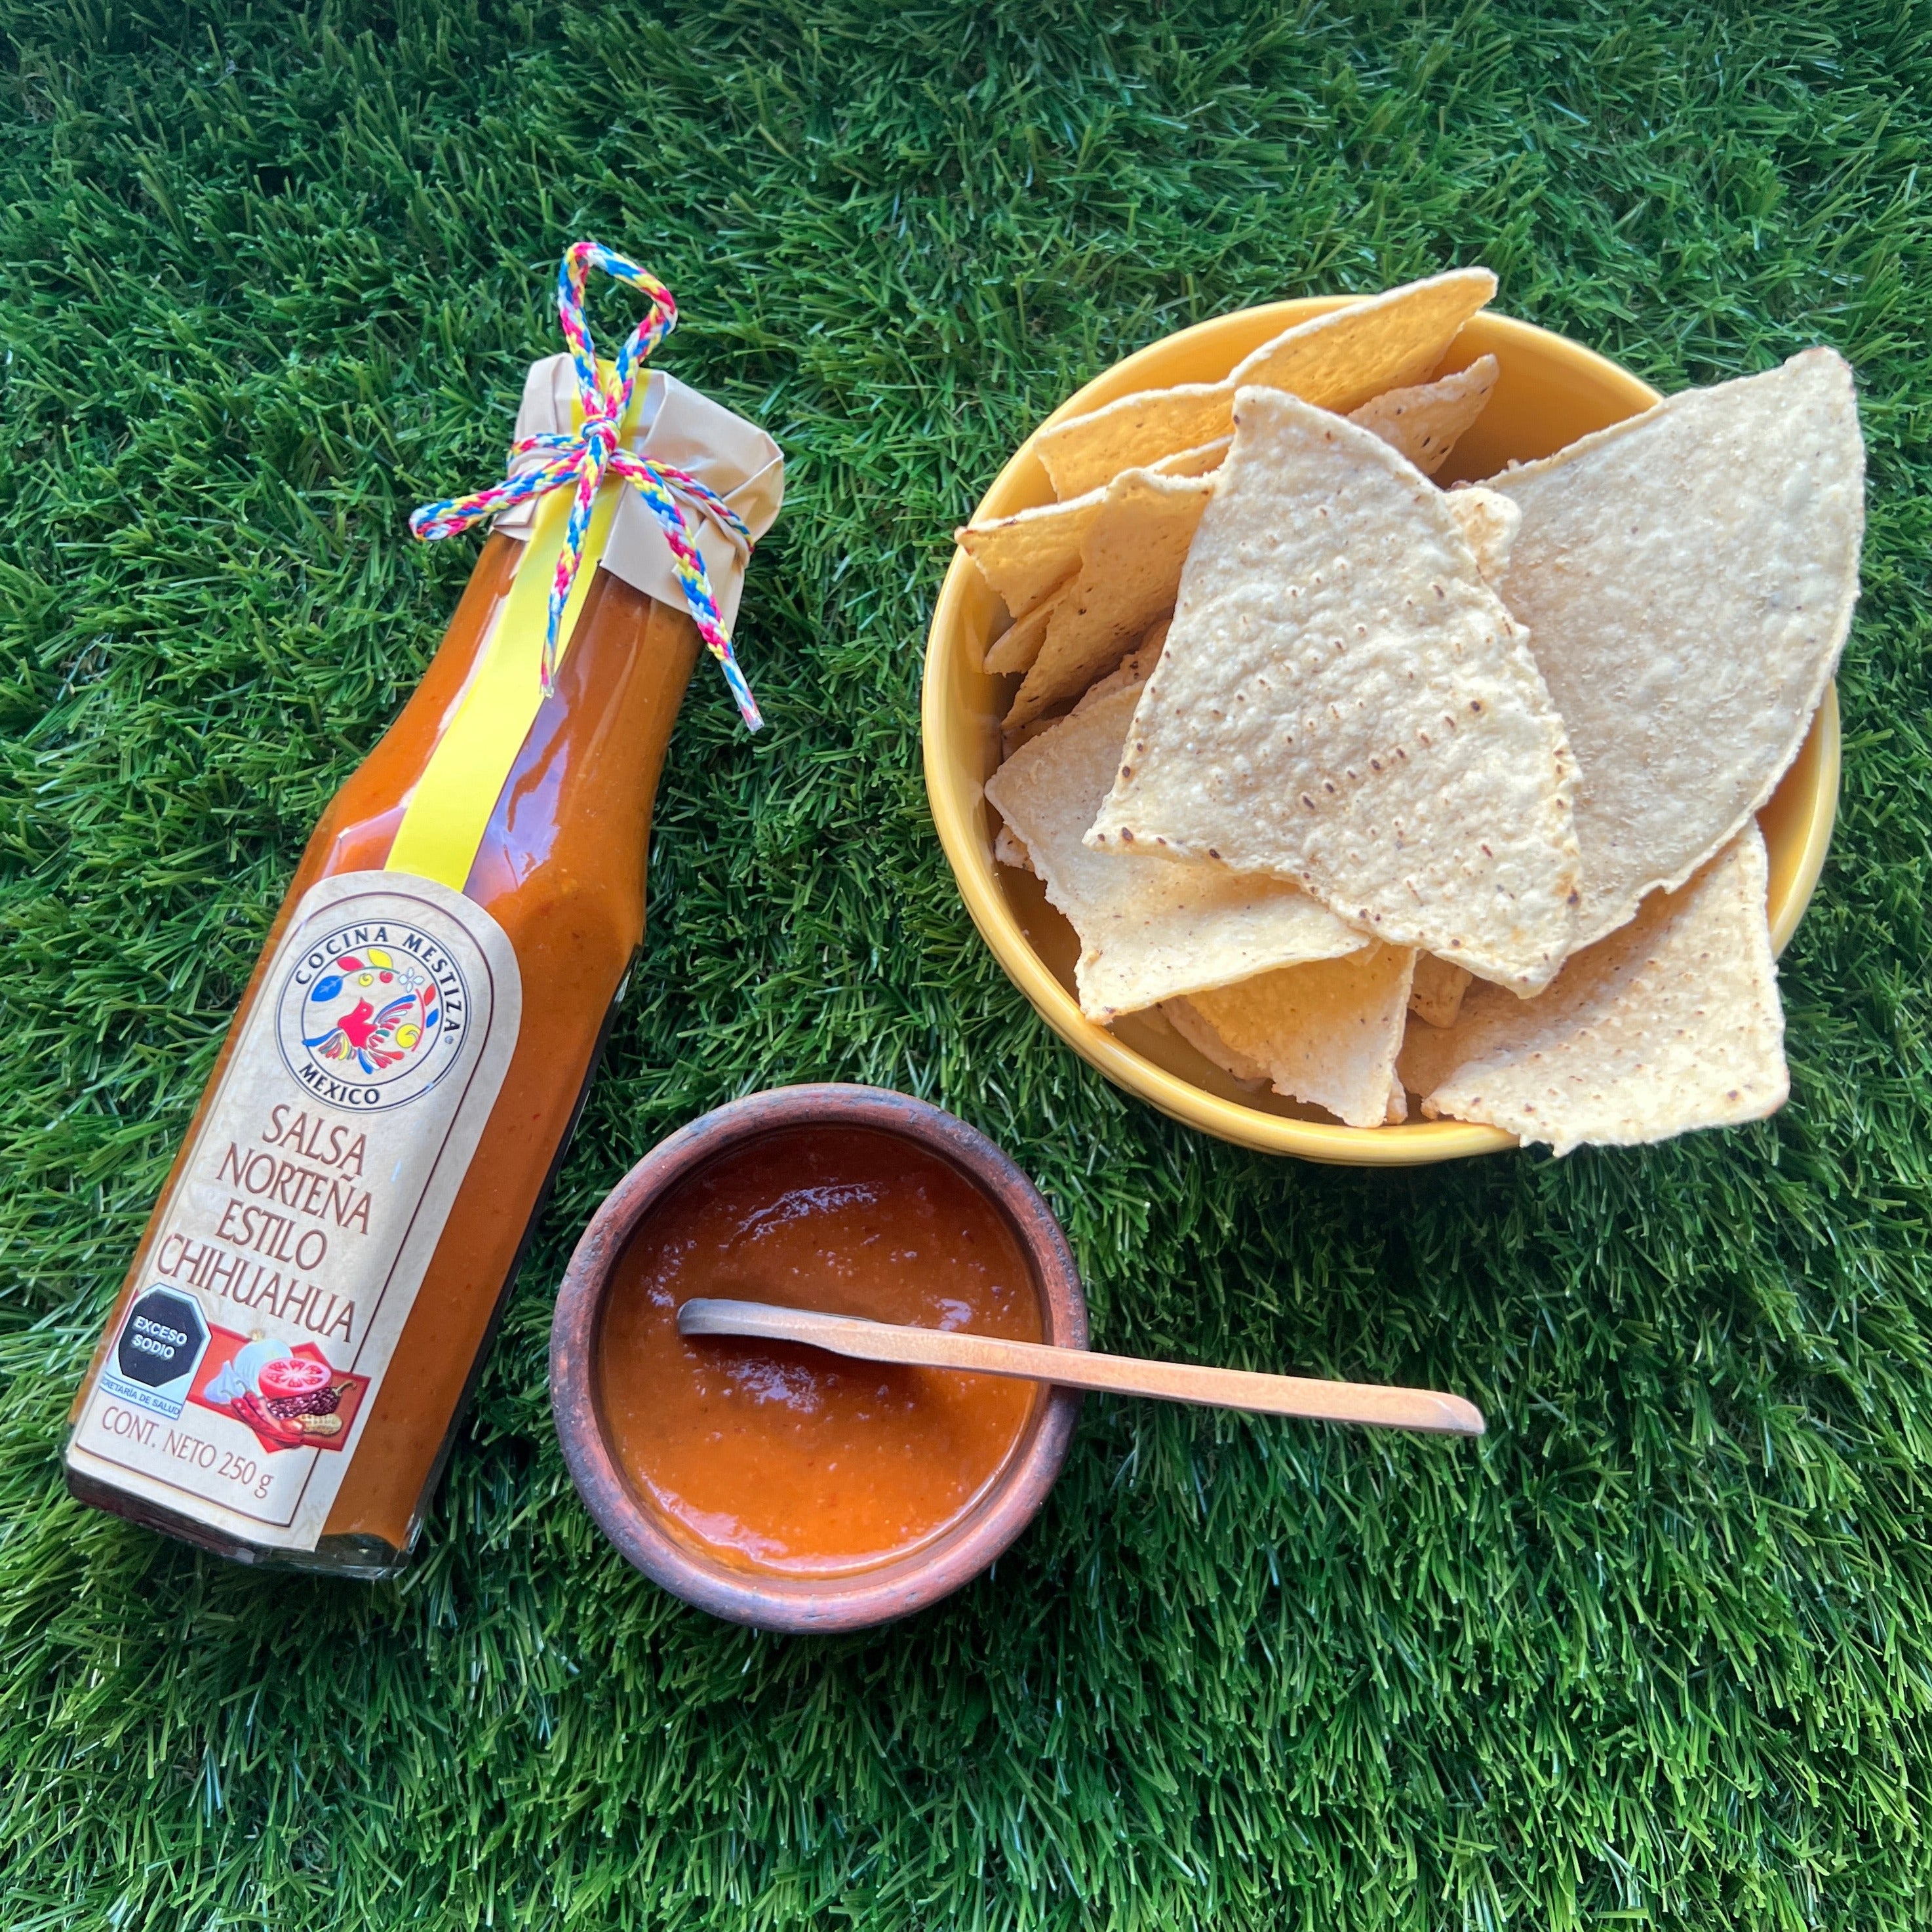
(282,1374)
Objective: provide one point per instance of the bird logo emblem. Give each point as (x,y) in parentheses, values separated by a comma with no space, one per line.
(368,1013)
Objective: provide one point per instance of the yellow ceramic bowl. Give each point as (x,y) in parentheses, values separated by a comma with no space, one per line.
(1550,392)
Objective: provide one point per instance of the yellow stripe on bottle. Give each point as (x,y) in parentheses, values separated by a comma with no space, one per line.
(449,811)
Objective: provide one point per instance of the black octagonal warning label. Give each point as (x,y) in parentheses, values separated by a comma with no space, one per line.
(162,1341)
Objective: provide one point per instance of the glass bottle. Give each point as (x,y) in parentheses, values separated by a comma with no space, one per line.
(559,873)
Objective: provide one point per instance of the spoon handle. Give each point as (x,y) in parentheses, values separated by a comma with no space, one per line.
(1379,1408)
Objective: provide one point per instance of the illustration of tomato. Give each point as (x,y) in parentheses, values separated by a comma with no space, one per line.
(251,1361)
(292,1375)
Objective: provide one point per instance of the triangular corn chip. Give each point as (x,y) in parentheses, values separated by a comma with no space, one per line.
(1135,669)
(1009,849)
(1133,432)
(1200,462)
(1016,648)
(1488,523)
(1343,702)
(1437,995)
(1671,1023)
(1130,565)
(1149,928)
(1687,577)
(1185,1018)
(1425,423)
(1024,734)
(1327,1034)
(1024,558)
(1337,362)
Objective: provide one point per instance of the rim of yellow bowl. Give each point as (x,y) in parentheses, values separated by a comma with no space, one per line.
(1804,807)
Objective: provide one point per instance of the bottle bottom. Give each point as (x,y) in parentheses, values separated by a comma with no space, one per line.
(369,1559)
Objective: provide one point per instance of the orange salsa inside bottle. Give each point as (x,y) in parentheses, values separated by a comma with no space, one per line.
(560,870)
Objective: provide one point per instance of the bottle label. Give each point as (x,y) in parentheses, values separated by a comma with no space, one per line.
(271,1295)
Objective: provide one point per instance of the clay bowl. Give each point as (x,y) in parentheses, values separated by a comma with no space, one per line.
(852,1599)
(1550,391)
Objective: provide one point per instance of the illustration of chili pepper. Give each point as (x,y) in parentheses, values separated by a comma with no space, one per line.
(273,1432)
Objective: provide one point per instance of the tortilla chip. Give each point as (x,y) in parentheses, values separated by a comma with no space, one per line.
(1437,995)
(1131,670)
(1328,1032)
(1340,360)
(1024,734)
(1132,432)
(1186,1019)
(1024,558)
(1008,850)
(1488,523)
(1130,566)
(1337,362)
(1149,928)
(1342,701)
(1425,423)
(1015,650)
(1671,1023)
(1202,462)
(1687,577)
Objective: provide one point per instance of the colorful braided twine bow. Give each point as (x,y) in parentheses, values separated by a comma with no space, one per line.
(583,459)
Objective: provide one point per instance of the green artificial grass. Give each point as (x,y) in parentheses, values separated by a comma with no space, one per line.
(1658,1651)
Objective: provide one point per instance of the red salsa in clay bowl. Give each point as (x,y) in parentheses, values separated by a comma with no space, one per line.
(780,1486)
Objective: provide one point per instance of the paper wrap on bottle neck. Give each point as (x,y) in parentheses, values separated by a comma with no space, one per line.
(673,425)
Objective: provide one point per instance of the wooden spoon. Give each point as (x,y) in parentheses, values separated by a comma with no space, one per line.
(1079,1368)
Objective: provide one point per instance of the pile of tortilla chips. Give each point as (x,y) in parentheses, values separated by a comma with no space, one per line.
(1382,793)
